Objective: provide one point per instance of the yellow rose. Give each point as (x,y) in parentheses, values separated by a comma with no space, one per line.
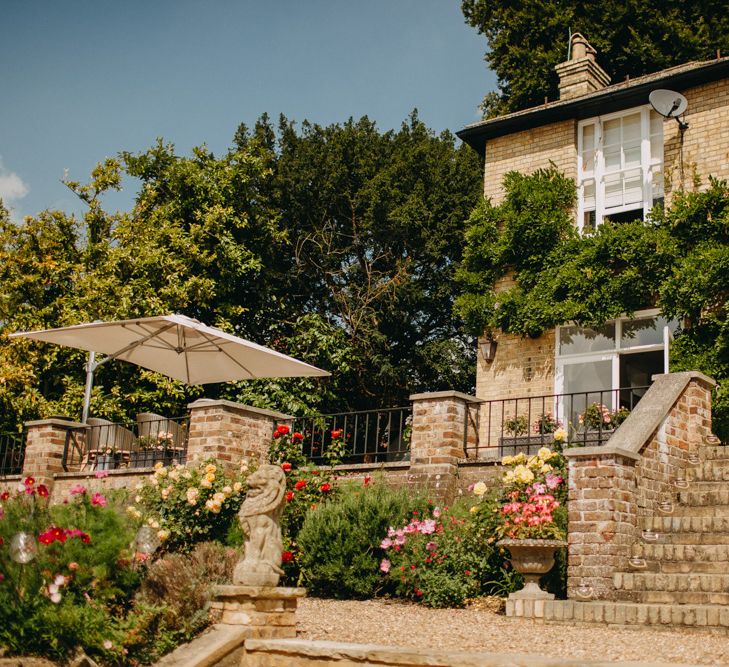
(158,465)
(507,460)
(474,509)
(560,435)
(205,484)
(218,497)
(544,453)
(210,477)
(210,468)
(479,489)
(545,468)
(237,487)
(163,535)
(227,490)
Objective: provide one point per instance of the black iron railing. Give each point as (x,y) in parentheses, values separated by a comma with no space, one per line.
(105,445)
(12,453)
(370,436)
(528,423)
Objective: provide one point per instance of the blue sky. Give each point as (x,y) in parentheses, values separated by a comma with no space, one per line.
(85,80)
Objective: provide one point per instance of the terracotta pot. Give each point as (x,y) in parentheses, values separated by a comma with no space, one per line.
(532,559)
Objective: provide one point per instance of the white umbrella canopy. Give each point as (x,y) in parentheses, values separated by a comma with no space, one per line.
(177,346)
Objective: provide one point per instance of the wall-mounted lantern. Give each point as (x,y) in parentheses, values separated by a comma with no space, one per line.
(488,349)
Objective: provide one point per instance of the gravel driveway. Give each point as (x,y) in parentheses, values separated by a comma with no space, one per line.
(396,623)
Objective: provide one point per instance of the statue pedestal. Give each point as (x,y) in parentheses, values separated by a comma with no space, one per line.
(269,612)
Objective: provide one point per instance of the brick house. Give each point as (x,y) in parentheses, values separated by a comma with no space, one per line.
(624,157)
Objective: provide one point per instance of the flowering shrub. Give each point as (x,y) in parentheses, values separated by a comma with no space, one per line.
(546,424)
(516,425)
(598,416)
(187,505)
(66,582)
(307,487)
(431,559)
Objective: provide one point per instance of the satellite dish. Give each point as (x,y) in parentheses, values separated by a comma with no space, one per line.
(668,103)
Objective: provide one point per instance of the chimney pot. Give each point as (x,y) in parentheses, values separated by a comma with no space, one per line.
(580,74)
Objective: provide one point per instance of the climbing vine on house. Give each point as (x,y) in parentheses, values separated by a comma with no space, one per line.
(526,269)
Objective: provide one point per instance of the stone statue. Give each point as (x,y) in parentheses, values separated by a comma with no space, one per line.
(259,516)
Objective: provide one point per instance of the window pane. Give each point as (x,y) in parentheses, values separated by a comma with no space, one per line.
(588,137)
(645,331)
(632,155)
(613,190)
(633,187)
(657,184)
(588,194)
(611,133)
(657,149)
(612,158)
(575,340)
(631,127)
(595,379)
(588,162)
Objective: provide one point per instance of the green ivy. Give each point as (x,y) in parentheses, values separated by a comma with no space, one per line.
(678,261)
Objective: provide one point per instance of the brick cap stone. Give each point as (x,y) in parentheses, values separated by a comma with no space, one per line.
(63,423)
(638,429)
(305,652)
(208,649)
(238,407)
(432,395)
(258,592)
(604,451)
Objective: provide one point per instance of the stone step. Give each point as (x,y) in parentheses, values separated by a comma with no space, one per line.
(680,567)
(713,618)
(674,597)
(686,552)
(709,470)
(678,528)
(700,494)
(716,452)
(659,581)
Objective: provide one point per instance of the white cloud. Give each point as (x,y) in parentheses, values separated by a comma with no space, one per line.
(12,188)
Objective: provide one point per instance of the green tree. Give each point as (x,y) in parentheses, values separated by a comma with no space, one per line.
(527,40)
(373,222)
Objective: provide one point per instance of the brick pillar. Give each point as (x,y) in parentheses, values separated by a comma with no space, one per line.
(230,431)
(602,519)
(440,427)
(45,442)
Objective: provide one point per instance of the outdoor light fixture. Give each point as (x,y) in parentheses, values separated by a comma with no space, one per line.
(146,541)
(488,349)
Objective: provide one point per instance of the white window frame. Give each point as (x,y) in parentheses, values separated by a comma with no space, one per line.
(612,354)
(648,166)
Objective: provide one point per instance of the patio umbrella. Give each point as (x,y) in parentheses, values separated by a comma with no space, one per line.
(177,346)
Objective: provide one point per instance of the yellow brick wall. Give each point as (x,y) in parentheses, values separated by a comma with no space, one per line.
(528,151)
(706,141)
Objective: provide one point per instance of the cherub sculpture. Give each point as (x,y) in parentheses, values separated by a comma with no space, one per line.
(259,516)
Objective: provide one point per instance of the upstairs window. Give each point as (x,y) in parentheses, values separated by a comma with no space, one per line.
(619,167)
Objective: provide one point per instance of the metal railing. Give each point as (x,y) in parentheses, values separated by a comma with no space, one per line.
(12,453)
(528,423)
(105,445)
(370,436)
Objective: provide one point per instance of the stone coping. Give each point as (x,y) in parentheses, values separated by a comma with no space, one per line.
(367,467)
(239,407)
(432,395)
(10,478)
(263,592)
(492,460)
(302,652)
(638,429)
(117,472)
(602,452)
(54,421)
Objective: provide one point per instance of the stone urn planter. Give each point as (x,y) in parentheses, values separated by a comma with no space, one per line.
(532,559)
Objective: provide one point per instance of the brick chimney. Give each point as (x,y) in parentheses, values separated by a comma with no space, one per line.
(580,74)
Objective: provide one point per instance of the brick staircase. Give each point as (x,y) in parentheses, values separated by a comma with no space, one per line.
(679,572)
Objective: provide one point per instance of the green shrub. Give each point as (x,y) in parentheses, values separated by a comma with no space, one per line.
(339,542)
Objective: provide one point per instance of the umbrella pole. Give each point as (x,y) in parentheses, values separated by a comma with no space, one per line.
(90,368)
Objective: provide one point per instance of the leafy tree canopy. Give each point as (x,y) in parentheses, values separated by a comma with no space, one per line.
(337,245)
(524,280)
(527,40)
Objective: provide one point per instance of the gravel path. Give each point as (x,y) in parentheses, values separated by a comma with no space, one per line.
(396,623)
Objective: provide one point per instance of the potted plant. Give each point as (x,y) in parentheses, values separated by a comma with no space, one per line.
(152,449)
(107,460)
(517,425)
(546,424)
(529,526)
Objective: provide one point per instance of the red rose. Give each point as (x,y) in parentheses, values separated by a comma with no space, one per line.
(297,437)
(42,491)
(289,496)
(283,429)
(29,481)
(276,435)
(286,466)
(4,495)
(367,480)
(418,592)
(300,484)
(325,488)
(337,433)
(286,556)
